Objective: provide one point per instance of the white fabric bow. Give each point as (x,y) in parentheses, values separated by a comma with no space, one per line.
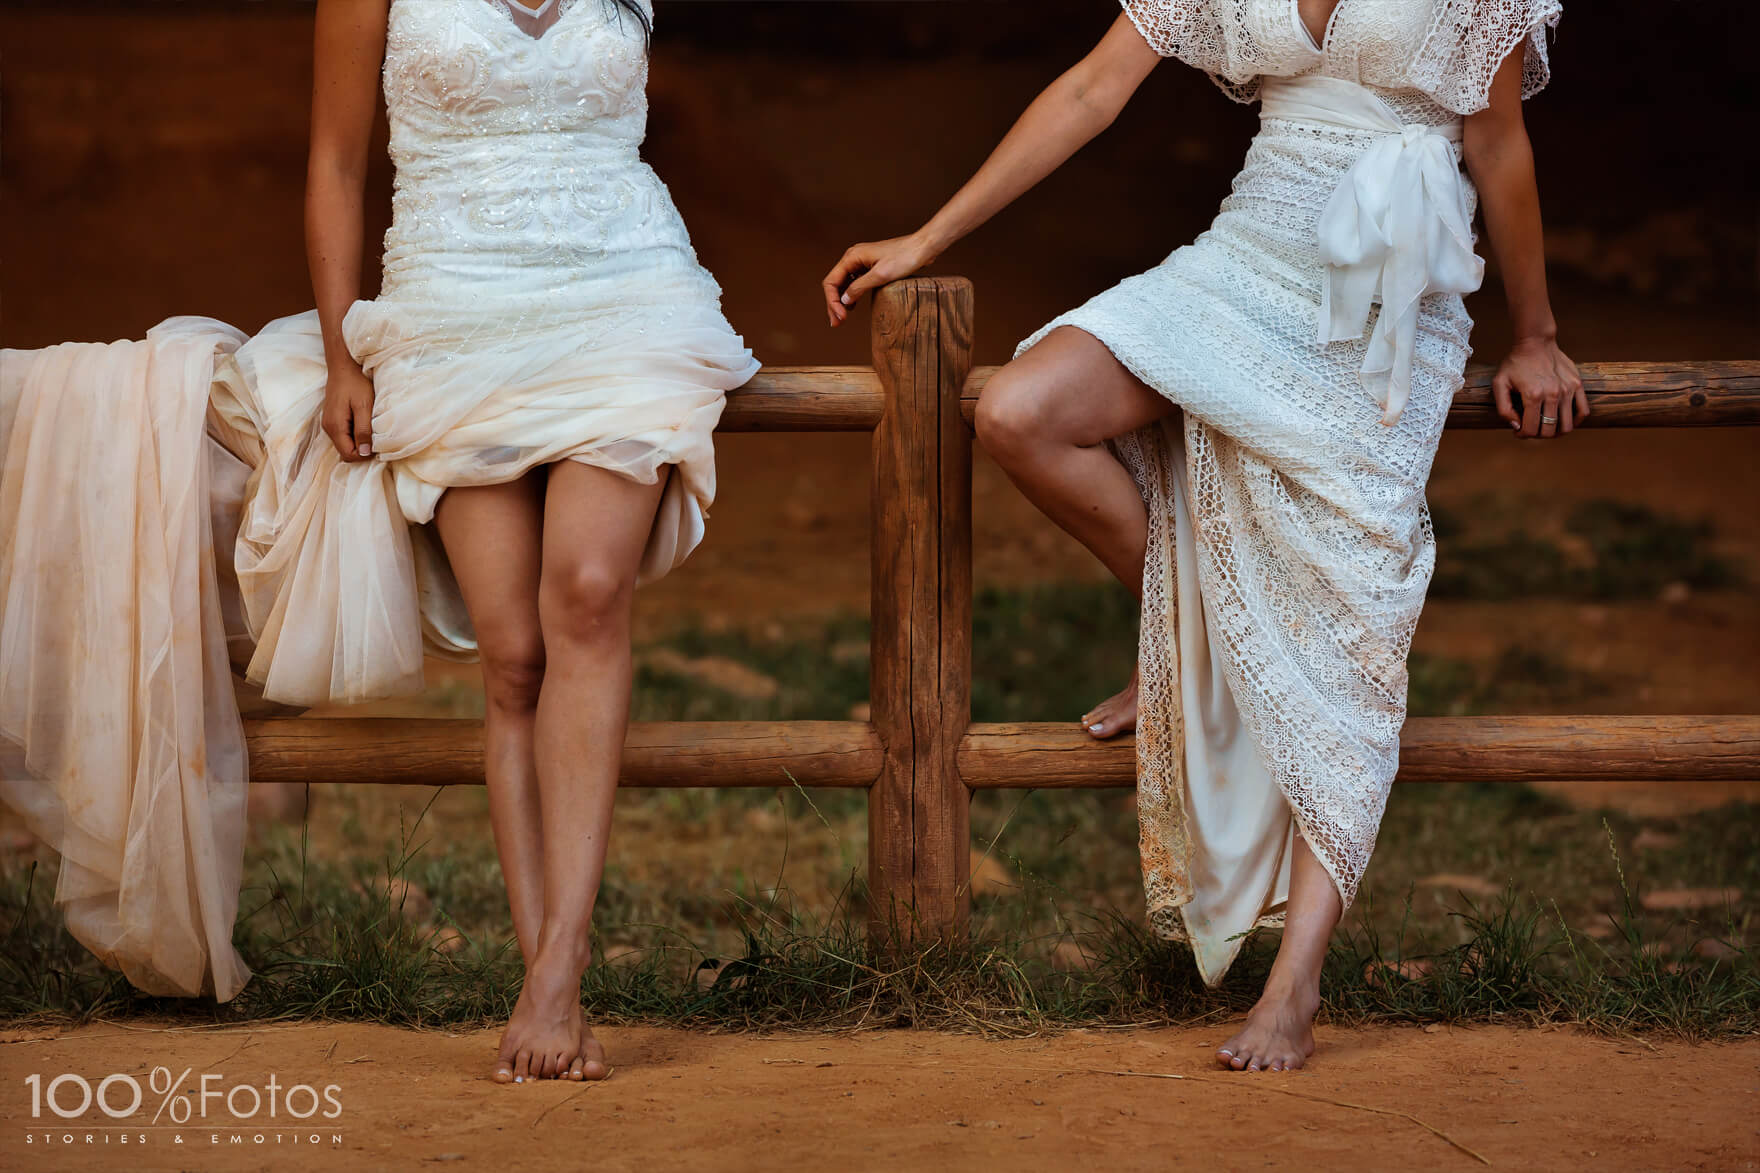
(1395,229)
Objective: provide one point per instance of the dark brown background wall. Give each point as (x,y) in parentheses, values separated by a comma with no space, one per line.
(154,156)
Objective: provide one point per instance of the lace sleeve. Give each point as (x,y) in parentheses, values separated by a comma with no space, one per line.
(1236,42)
(1468,39)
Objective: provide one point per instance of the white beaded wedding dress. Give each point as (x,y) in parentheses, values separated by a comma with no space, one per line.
(1314,338)
(167,502)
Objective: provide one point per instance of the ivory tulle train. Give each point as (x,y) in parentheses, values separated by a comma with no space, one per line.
(128,466)
(540,301)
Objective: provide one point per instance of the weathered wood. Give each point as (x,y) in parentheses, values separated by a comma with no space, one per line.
(1621,395)
(1432,749)
(806,399)
(920,689)
(425,752)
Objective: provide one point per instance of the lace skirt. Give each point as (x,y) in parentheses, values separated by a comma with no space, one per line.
(1289,551)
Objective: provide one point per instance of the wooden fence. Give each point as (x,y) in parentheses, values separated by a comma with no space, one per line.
(921,756)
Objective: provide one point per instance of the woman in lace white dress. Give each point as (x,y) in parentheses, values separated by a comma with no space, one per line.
(1244,432)
(539,377)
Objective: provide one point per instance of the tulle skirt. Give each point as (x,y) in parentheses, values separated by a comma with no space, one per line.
(171,509)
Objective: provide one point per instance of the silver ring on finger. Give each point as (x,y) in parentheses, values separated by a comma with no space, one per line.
(1549,419)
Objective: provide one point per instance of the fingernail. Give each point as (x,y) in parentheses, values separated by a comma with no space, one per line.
(366,449)
(844,299)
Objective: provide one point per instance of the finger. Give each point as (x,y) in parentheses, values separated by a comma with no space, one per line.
(1500,398)
(1531,412)
(847,266)
(833,289)
(1566,414)
(868,280)
(1548,414)
(1582,399)
(340,435)
(362,416)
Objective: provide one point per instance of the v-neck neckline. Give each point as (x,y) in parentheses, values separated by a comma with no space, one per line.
(1325,40)
(503,10)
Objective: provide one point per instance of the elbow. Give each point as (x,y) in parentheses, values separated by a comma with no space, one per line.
(1093,98)
(1488,143)
(329,165)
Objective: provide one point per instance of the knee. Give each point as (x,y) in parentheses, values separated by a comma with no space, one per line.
(586,602)
(1011,420)
(513,670)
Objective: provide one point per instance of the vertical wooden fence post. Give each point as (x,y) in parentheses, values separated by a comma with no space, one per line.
(919,809)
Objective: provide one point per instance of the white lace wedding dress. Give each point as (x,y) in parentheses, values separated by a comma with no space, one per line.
(1314,337)
(160,500)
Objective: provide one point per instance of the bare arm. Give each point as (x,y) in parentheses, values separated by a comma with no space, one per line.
(1071,111)
(348,50)
(1501,162)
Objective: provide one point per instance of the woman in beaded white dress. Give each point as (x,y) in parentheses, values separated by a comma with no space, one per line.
(1243,433)
(538,378)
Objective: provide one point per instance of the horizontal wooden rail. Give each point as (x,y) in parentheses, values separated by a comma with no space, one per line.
(921,758)
(806,399)
(1432,749)
(846,754)
(417,751)
(1621,395)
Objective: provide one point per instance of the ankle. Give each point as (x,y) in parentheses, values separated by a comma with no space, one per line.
(1298,987)
(564,948)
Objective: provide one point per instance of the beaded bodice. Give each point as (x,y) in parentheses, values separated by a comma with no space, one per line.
(516,139)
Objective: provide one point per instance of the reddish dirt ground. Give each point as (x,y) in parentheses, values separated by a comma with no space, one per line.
(1520,1099)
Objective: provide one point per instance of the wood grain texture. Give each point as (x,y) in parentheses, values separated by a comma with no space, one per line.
(806,399)
(1432,749)
(920,682)
(1713,394)
(424,752)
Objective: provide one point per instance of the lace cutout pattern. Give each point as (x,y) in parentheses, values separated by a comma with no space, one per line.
(1313,546)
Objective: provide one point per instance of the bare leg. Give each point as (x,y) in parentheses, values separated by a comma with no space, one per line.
(1279,1032)
(596,525)
(493,535)
(1045,418)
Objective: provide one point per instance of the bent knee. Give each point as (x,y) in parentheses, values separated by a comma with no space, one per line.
(585,601)
(1011,418)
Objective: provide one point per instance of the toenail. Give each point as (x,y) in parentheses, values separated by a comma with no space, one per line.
(1095,728)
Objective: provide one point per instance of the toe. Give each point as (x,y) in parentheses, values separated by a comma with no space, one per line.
(576,1070)
(593,1065)
(503,1071)
(522,1066)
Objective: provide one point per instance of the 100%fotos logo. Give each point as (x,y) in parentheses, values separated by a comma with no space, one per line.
(119,1097)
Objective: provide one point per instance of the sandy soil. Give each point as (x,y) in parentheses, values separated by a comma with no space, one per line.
(1555,1100)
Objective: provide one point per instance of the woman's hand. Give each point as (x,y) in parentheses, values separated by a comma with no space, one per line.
(1552,397)
(868,266)
(1070,112)
(348,413)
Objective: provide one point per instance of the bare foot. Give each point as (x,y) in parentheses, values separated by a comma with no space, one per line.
(546,1034)
(1278,1036)
(590,1063)
(1114,715)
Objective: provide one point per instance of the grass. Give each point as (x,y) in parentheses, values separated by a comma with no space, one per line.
(746,909)
(1607,551)
(327,945)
